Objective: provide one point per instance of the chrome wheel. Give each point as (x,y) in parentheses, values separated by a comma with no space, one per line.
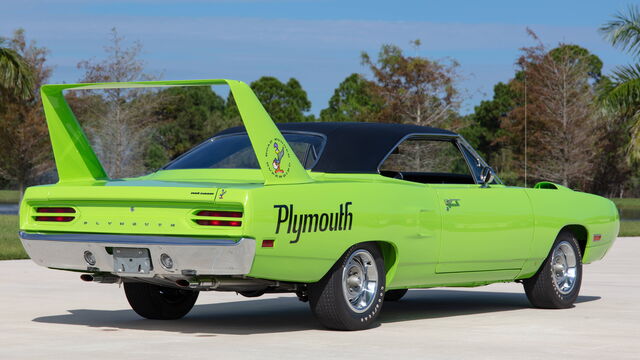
(350,296)
(556,285)
(564,267)
(360,281)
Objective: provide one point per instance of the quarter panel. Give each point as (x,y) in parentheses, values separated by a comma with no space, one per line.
(556,208)
(383,210)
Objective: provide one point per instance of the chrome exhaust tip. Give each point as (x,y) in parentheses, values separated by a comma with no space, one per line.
(103,279)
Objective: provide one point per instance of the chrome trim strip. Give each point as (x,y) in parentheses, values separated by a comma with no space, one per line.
(479,158)
(127,239)
(458,144)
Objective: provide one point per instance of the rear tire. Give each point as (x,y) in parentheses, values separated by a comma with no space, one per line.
(159,302)
(252,293)
(394,295)
(350,296)
(557,284)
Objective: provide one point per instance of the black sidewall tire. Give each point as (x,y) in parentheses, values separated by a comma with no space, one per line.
(327,300)
(540,288)
(148,301)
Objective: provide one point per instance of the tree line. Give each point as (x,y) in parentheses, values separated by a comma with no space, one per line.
(559,114)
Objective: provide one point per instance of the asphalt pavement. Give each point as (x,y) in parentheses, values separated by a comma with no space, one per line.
(49,314)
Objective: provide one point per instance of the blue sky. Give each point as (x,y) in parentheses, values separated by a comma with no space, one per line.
(318,42)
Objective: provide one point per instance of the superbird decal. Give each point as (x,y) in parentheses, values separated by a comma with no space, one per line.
(278,158)
(279,154)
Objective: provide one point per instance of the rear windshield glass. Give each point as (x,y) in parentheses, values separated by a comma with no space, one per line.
(235,152)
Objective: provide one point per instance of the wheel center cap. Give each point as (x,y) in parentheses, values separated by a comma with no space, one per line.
(354,281)
(559,269)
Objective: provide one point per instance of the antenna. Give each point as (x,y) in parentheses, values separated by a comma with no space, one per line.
(525,126)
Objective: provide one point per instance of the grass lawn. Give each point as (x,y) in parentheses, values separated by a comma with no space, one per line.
(629,208)
(627,202)
(9,197)
(629,228)
(10,246)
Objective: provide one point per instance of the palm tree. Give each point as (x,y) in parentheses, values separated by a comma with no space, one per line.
(622,93)
(16,75)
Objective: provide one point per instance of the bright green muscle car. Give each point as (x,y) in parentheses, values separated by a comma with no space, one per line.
(345,215)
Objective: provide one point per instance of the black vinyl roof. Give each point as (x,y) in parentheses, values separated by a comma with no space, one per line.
(353,147)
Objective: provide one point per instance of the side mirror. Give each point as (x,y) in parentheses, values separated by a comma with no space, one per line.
(486,176)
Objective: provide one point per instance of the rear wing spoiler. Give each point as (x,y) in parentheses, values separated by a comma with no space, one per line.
(76,160)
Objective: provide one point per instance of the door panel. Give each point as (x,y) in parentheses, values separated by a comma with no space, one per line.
(483,229)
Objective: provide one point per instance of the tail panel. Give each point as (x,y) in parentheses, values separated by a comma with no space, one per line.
(180,211)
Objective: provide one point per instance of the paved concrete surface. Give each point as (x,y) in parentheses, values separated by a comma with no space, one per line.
(47,314)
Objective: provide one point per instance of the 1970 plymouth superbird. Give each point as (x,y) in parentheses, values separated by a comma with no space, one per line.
(345,215)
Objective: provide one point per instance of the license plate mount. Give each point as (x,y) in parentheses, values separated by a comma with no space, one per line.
(132,260)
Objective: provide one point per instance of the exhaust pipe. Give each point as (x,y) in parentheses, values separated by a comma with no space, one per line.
(102,279)
(226,284)
(183,283)
(209,283)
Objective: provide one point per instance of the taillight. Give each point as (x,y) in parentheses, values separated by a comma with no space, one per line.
(218,222)
(52,214)
(208,213)
(55,218)
(224,214)
(268,243)
(56,210)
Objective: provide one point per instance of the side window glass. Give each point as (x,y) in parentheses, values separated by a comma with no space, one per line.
(427,161)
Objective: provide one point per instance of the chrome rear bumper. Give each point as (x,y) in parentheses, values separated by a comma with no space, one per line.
(191,256)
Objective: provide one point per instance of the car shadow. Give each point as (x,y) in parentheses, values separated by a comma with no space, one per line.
(286,314)
(437,303)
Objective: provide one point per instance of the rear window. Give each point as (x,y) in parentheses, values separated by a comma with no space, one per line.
(235,152)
